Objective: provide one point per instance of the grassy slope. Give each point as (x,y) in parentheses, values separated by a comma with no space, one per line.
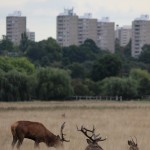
(116,120)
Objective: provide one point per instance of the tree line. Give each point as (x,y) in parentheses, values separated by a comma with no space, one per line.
(43,70)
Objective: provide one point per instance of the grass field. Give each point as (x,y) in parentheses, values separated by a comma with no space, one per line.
(116,120)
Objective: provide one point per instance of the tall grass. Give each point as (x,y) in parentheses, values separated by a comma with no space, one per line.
(116,120)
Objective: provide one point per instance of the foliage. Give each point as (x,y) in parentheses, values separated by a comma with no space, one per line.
(127,50)
(14,87)
(115,86)
(24,43)
(107,66)
(6,45)
(77,70)
(80,88)
(143,79)
(74,70)
(53,83)
(79,54)
(123,51)
(145,54)
(84,87)
(44,52)
(21,64)
(5,64)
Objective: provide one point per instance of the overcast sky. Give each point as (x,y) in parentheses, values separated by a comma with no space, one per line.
(41,14)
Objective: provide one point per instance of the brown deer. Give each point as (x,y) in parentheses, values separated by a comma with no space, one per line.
(92,140)
(133,145)
(37,132)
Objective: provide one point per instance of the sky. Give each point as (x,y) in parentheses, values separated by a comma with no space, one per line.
(41,14)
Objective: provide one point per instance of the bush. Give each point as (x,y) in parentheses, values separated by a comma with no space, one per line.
(53,84)
(14,87)
(143,79)
(115,86)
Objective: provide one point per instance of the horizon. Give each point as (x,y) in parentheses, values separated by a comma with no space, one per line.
(41,14)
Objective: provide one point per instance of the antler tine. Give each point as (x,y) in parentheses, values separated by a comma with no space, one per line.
(132,140)
(97,137)
(92,131)
(84,131)
(93,137)
(62,134)
(135,139)
(100,139)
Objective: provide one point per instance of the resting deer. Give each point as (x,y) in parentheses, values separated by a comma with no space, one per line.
(92,140)
(133,145)
(36,132)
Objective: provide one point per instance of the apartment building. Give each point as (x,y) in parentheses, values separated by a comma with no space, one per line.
(87,28)
(15,26)
(31,35)
(124,35)
(106,34)
(140,34)
(74,30)
(67,28)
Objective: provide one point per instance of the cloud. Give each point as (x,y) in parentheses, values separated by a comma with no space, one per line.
(112,6)
(14,3)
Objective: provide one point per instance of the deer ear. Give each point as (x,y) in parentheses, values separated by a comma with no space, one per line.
(129,142)
(88,141)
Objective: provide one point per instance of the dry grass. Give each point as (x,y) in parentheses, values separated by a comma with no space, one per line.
(116,120)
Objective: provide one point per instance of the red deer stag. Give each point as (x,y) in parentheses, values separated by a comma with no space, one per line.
(92,140)
(36,132)
(133,145)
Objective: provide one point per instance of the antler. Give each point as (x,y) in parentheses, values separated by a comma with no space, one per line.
(62,134)
(134,143)
(93,137)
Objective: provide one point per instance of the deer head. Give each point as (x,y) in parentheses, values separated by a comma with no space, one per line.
(133,145)
(93,139)
(61,138)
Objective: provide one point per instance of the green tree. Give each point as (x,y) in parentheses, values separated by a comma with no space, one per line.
(84,87)
(5,63)
(143,79)
(77,70)
(24,43)
(127,50)
(6,45)
(145,54)
(80,89)
(14,87)
(88,51)
(71,55)
(53,83)
(21,64)
(115,86)
(44,52)
(108,65)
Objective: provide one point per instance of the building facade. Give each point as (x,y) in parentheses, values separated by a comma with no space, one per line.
(140,34)
(106,35)
(124,35)
(74,30)
(87,28)
(31,35)
(67,28)
(15,26)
